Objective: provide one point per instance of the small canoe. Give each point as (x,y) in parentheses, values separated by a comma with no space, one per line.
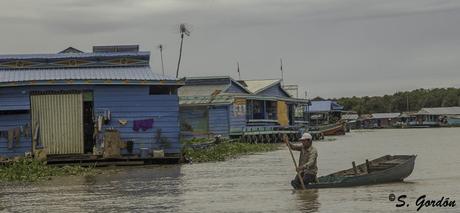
(389,168)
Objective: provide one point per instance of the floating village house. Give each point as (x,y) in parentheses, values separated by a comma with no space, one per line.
(439,116)
(106,102)
(380,120)
(351,118)
(211,106)
(324,111)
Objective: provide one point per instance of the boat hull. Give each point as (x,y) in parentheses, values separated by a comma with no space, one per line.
(336,130)
(396,173)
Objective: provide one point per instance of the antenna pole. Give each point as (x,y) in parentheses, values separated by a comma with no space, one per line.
(161,54)
(282,72)
(238,69)
(180,54)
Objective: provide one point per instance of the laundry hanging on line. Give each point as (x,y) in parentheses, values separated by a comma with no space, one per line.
(14,134)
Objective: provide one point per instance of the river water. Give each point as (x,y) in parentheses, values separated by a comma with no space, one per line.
(258,183)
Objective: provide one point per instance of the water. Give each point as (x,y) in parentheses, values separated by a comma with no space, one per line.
(257,183)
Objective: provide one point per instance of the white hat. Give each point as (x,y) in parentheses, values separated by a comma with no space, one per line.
(305,136)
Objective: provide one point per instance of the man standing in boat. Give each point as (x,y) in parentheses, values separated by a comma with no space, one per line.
(307,161)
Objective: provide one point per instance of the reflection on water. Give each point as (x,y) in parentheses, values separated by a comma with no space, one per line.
(256,183)
(307,200)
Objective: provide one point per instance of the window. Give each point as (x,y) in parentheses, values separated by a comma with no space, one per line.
(271,107)
(163,90)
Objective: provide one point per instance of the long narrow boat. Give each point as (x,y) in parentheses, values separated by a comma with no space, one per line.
(389,168)
(334,129)
(337,129)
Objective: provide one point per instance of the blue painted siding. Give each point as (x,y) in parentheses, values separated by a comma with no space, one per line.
(14,121)
(14,99)
(219,120)
(274,91)
(134,103)
(237,122)
(234,88)
(125,102)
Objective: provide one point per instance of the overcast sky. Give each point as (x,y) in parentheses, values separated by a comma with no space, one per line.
(331,48)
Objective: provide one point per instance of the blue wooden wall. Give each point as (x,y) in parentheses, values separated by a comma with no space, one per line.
(134,103)
(124,102)
(219,120)
(274,91)
(234,88)
(14,121)
(237,122)
(14,99)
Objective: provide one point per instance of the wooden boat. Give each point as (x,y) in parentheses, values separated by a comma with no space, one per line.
(389,168)
(338,128)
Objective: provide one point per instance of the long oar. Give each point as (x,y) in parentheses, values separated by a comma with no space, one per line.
(295,163)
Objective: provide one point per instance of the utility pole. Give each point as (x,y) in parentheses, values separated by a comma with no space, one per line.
(183,30)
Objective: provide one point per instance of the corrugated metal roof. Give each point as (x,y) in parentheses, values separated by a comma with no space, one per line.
(440,111)
(255,86)
(72,55)
(206,100)
(201,90)
(113,73)
(385,115)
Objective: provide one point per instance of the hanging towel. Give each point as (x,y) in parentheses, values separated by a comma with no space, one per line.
(99,123)
(142,124)
(27,131)
(10,138)
(17,135)
(109,115)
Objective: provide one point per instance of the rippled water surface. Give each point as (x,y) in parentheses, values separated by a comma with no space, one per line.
(257,183)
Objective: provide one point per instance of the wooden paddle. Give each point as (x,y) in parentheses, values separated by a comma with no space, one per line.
(285,139)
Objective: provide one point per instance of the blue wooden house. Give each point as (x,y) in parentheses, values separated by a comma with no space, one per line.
(322,112)
(65,102)
(212,106)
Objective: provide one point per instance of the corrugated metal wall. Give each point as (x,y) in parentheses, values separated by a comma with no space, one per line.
(60,120)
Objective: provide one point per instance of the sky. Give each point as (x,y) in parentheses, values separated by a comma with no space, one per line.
(330,48)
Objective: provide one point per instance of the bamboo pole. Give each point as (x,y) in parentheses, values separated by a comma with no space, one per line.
(293,160)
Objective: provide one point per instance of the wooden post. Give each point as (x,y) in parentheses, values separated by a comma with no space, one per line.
(354,168)
(293,159)
(368,166)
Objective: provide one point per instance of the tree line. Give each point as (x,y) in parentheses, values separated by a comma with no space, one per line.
(402,101)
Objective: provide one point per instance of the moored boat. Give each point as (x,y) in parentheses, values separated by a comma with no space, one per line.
(388,168)
(338,128)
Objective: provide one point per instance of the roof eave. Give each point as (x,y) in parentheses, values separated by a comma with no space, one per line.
(92,82)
